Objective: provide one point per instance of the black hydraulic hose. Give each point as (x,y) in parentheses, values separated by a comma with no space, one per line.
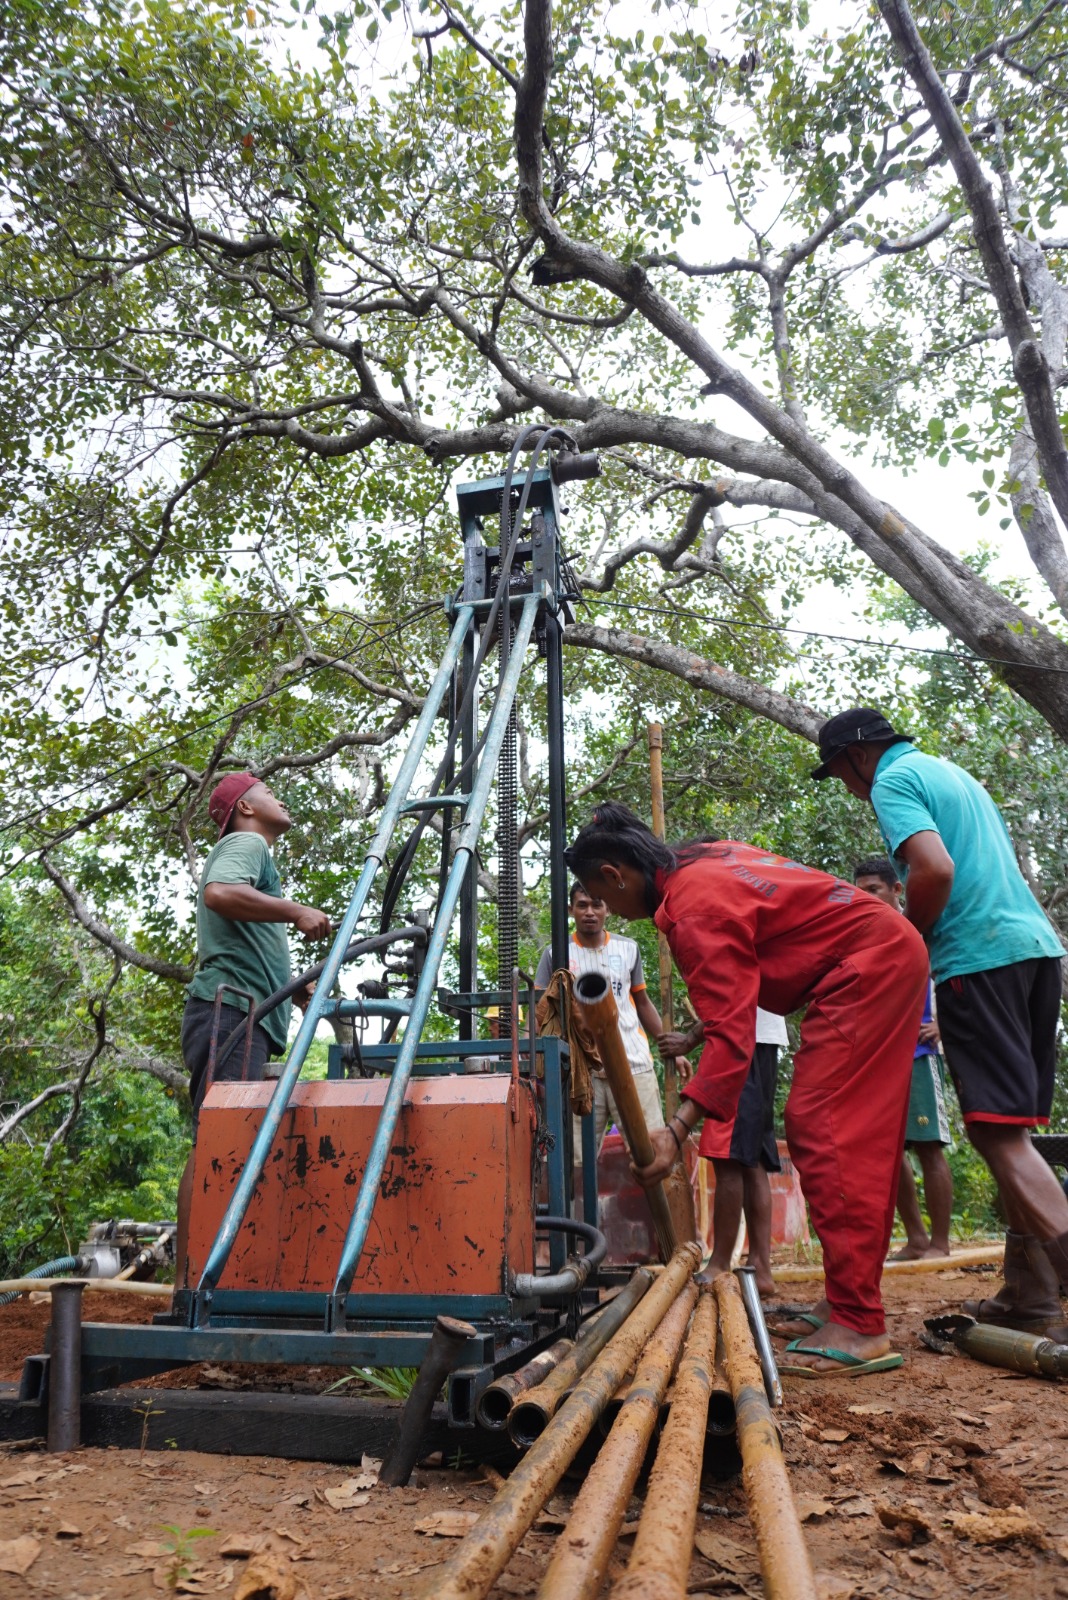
(596,1243)
(358,947)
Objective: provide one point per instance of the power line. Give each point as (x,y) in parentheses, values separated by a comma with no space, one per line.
(839,638)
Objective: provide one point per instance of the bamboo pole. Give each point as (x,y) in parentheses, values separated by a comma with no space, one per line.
(671,1199)
(104,1285)
(667,1009)
(784,1560)
(580,1559)
(482,1556)
(533,1410)
(978,1257)
(660,1562)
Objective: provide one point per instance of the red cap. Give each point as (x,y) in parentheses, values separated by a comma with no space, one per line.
(225,795)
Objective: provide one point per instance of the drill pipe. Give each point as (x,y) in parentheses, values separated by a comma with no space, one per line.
(495,1403)
(660,1561)
(482,1556)
(721,1414)
(784,1559)
(671,1199)
(1018,1352)
(444,1352)
(765,1350)
(534,1408)
(580,1559)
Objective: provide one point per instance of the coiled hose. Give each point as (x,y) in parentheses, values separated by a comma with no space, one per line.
(51,1269)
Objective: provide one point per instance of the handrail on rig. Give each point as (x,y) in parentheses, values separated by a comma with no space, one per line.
(279,1102)
(360,1221)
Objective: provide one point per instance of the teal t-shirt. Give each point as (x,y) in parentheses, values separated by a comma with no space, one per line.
(251,955)
(991,918)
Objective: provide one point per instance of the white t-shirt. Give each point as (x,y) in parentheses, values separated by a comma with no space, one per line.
(620,962)
(771,1029)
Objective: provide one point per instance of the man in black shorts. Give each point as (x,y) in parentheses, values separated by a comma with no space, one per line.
(241,942)
(742,1183)
(996,963)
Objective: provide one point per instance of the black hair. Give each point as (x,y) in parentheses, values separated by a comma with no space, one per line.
(576,888)
(877,867)
(616,835)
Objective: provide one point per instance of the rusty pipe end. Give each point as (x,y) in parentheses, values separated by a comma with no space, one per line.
(494,1407)
(590,987)
(721,1414)
(527,1422)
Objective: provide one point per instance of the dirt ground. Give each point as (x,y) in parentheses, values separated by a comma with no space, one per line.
(906,1481)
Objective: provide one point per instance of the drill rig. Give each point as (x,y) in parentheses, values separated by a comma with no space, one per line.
(333,1222)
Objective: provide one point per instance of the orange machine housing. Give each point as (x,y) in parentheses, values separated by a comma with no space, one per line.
(455,1209)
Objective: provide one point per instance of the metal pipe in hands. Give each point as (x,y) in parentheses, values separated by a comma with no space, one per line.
(761,1338)
(784,1558)
(598,1010)
(660,1561)
(467,844)
(276,1109)
(583,1550)
(534,1410)
(444,1353)
(481,1557)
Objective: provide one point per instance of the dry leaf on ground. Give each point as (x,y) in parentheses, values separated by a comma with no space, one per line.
(18,1555)
(874,1408)
(19,1480)
(811,1505)
(343,1496)
(997,1527)
(267,1578)
(833,1435)
(447,1524)
(726,1553)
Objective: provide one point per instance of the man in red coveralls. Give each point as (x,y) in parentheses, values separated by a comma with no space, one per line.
(747,928)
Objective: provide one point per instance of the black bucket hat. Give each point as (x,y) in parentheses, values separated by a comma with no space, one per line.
(861,725)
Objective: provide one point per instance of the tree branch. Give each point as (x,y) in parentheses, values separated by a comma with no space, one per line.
(104,935)
(1029,362)
(700,674)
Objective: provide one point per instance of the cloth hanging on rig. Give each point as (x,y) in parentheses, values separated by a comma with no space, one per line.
(557,1017)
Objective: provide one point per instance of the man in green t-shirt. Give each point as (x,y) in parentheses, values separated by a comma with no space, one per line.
(241,941)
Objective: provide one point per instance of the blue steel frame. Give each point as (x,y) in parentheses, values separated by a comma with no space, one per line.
(274,1326)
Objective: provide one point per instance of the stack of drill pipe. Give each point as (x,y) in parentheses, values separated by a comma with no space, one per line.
(580,1559)
(670,1200)
(660,1562)
(481,1557)
(533,1409)
(784,1560)
(496,1402)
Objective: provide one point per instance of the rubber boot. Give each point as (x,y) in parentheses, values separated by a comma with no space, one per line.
(1028,1299)
(1057,1254)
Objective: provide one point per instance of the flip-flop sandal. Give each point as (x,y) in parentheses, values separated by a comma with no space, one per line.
(852,1366)
(795,1314)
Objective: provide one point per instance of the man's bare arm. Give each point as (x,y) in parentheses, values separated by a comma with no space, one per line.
(240,902)
(930,878)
